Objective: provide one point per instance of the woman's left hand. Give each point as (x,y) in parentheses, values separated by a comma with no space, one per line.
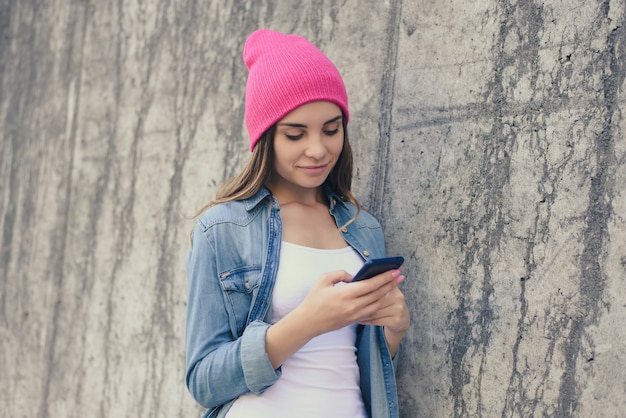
(394,317)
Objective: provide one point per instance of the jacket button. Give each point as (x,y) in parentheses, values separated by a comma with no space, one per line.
(366,253)
(344,229)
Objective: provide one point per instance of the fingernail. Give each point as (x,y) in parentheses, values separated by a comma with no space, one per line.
(395,273)
(400,279)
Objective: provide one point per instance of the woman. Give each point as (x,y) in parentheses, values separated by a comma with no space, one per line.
(274,326)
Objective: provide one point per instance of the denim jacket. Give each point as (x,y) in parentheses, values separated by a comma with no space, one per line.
(231,269)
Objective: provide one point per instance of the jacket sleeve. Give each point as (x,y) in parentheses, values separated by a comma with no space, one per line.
(219,366)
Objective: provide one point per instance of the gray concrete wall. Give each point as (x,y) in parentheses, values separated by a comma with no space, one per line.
(488,137)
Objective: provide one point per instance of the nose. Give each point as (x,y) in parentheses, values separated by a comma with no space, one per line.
(315,147)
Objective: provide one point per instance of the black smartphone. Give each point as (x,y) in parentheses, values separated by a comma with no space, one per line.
(376,266)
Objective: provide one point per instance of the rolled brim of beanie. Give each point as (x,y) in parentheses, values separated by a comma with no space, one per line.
(285,72)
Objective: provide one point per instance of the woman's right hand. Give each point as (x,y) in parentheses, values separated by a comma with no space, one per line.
(332,303)
(335,302)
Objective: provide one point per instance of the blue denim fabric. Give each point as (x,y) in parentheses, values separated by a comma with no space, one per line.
(231,269)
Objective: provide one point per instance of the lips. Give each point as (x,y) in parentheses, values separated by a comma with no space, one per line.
(314,170)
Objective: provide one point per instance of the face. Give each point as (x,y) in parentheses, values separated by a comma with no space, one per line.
(307,145)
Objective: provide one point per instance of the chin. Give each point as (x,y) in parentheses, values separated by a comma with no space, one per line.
(311,184)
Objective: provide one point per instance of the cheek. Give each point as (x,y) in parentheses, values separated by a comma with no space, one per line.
(283,159)
(338,147)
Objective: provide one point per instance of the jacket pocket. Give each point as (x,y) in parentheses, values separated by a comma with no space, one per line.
(239,285)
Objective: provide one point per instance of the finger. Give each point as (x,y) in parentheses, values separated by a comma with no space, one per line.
(390,304)
(381,296)
(334,277)
(377,306)
(382,280)
(390,316)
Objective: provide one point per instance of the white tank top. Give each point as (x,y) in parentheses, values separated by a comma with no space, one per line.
(322,378)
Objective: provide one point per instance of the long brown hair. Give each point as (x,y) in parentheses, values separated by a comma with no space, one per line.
(259,168)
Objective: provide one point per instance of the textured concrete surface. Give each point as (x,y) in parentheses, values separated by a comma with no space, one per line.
(488,137)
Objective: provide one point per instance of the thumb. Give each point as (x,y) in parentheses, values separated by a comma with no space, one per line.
(334,277)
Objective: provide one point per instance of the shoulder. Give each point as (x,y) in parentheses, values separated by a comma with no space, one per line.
(363,219)
(238,212)
(366,219)
(365,232)
(222,212)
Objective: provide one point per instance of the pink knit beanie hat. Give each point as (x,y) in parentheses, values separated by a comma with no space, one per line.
(285,72)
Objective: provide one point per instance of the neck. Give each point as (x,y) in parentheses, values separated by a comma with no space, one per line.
(308,197)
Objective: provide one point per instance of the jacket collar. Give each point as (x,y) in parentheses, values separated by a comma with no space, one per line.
(333,198)
(252,202)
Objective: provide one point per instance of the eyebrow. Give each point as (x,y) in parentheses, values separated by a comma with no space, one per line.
(300,125)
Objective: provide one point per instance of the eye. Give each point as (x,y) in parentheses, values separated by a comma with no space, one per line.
(331,132)
(293,137)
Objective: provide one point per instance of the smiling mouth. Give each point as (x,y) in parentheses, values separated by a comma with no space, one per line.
(314,169)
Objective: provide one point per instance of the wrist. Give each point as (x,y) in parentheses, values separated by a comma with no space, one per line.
(301,326)
(393,338)
(396,332)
